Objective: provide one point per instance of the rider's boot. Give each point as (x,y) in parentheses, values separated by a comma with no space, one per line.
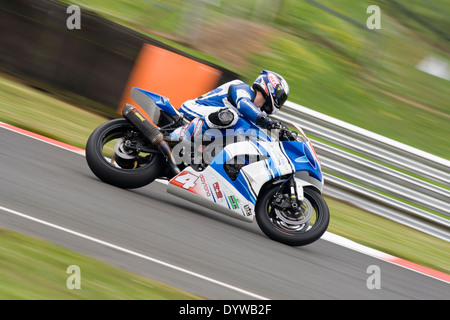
(188,131)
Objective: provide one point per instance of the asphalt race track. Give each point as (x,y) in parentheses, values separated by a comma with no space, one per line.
(50,192)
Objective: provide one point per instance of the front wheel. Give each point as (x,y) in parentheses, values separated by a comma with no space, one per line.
(280,224)
(115,152)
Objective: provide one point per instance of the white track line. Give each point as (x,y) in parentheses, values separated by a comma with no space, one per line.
(327,236)
(134,253)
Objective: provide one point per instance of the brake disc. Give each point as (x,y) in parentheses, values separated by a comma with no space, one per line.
(305,216)
(121,152)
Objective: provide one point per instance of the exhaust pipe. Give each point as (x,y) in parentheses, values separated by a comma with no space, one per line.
(151,132)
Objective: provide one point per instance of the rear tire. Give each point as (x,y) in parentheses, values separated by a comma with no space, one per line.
(274,225)
(126,174)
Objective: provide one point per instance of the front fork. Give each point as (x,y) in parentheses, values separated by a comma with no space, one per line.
(289,201)
(293,196)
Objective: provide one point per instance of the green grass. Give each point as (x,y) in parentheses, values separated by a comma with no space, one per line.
(31,269)
(43,114)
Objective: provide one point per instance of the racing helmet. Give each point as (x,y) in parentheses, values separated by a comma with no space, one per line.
(274,88)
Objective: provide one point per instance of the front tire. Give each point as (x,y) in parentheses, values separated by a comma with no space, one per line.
(132,170)
(279,226)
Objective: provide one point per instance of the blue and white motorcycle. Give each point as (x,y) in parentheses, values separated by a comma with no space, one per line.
(245,172)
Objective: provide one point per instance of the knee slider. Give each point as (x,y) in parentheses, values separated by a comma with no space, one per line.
(222,117)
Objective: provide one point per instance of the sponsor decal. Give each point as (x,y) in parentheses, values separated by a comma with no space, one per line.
(198,128)
(273,79)
(205,185)
(234,202)
(183,130)
(217,190)
(138,115)
(248,210)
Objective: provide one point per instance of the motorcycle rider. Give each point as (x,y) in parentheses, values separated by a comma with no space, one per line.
(220,108)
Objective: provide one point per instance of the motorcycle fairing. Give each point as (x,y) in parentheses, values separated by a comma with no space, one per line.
(303,157)
(149,100)
(214,187)
(276,159)
(209,189)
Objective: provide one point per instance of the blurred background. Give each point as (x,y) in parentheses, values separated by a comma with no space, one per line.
(63,83)
(393,80)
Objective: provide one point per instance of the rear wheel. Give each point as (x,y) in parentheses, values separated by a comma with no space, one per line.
(295,227)
(114,153)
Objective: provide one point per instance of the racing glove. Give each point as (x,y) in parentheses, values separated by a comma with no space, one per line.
(273,125)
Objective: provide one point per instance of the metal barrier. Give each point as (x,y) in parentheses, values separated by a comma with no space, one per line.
(378,174)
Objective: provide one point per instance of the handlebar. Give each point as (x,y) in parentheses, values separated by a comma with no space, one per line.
(287,135)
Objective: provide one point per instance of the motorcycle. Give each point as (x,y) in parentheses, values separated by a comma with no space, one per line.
(244,172)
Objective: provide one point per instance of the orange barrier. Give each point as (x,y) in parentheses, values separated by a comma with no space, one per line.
(171,75)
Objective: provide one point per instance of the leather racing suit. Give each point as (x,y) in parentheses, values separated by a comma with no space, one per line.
(220,108)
